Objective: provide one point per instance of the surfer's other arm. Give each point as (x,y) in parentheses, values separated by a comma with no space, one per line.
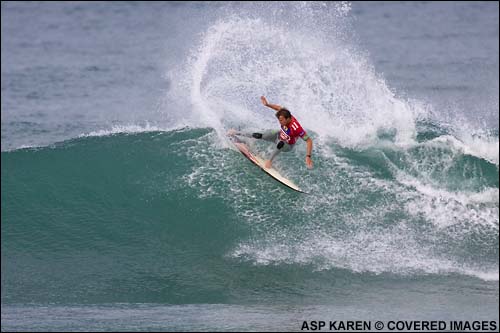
(272,106)
(309,161)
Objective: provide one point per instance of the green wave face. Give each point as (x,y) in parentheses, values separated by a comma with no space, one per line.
(179,217)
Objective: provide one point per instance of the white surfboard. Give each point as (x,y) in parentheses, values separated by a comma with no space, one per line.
(255,159)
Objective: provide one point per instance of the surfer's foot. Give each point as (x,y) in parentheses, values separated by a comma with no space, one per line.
(268,164)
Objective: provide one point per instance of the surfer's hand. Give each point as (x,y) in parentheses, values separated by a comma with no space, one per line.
(309,162)
(264,100)
(268,164)
(232,132)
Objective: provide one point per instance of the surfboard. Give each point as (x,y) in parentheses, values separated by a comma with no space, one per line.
(258,161)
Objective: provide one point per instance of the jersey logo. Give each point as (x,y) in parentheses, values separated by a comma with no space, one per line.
(284,135)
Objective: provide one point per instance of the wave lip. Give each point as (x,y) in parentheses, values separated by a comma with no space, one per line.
(124,129)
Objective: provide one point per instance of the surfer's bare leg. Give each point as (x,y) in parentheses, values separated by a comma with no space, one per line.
(280,147)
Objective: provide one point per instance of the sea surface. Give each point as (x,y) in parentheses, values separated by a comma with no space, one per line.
(124,207)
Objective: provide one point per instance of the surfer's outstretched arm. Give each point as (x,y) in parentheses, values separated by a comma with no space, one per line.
(272,106)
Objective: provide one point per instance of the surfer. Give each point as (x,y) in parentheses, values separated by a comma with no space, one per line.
(286,137)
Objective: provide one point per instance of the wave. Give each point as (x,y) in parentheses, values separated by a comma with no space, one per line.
(162,207)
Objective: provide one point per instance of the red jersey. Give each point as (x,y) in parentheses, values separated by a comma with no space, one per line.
(290,133)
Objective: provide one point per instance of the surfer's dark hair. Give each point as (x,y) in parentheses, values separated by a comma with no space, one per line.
(283,112)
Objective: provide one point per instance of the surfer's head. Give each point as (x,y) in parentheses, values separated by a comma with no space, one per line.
(284,116)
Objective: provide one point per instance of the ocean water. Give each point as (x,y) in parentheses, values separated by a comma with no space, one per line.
(125,208)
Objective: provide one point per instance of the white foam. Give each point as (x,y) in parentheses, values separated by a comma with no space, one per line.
(127,129)
(392,251)
(479,146)
(444,207)
(485,147)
